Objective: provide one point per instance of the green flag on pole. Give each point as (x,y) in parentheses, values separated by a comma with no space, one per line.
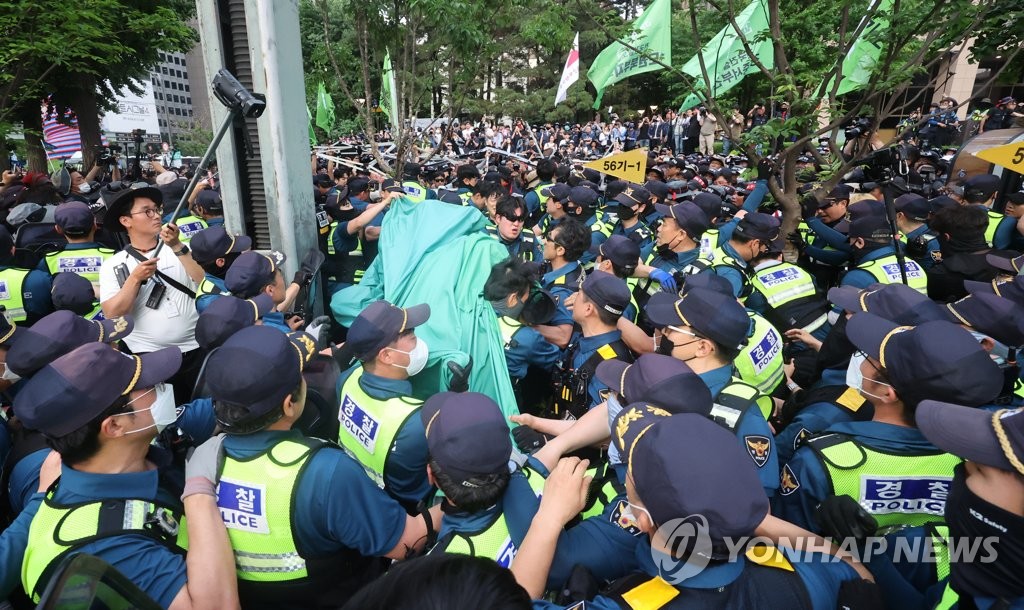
(725,59)
(309,125)
(651,33)
(324,109)
(859,63)
(388,91)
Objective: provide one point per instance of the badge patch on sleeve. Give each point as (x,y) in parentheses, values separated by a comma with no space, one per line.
(789,482)
(759,448)
(800,437)
(618,517)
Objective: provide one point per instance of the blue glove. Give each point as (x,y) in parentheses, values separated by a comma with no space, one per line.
(668,283)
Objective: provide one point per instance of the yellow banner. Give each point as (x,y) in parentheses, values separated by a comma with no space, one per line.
(1010,156)
(630,166)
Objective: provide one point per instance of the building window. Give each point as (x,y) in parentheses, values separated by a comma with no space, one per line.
(185,74)
(190,112)
(186,89)
(163,69)
(177,61)
(159,96)
(188,101)
(167,84)
(162,57)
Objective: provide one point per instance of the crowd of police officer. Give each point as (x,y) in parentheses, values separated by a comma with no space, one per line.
(671,364)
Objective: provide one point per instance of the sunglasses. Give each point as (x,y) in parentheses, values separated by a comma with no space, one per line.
(520,218)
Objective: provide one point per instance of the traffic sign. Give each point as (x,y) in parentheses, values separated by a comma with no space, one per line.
(630,166)
(1010,156)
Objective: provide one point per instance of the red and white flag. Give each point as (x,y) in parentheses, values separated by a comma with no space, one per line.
(571,72)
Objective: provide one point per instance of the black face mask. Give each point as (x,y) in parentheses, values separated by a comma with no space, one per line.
(626,213)
(971,520)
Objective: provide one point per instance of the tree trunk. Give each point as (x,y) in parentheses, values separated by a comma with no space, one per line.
(83,102)
(32,124)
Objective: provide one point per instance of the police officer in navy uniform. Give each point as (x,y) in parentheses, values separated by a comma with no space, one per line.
(885,465)
(873,258)
(50,338)
(535,197)
(379,424)
(677,246)
(597,308)
(24,293)
(215,249)
(605,540)
(562,274)
(751,238)
(554,198)
(487,509)
(680,466)
(288,500)
(628,219)
(82,255)
(827,400)
(821,238)
(100,410)
(922,244)
(705,328)
(620,256)
(982,190)
(74,293)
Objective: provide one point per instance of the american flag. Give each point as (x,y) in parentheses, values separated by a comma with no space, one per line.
(60,140)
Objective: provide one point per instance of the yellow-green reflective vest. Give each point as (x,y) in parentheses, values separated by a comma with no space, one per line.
(189,226)
(733,401)
(206,288)
(356,253)
(255,497)
(11,295)
(886,270)
(719,258)
(994,218)
(86,262)
(369,425)
(760,363)
(898,490)
(413,191)
(59,529)
(791,296)
(493,542)
(508,328)
(708,243)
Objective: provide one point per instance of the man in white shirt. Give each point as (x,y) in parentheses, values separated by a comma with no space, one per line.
(159,292)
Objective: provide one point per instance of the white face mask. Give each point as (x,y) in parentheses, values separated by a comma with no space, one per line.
(164,409)
(417,357)
(84,187)
(854,377)
(9,375)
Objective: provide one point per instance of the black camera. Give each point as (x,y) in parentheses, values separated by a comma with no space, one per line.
(138,136)
(859,127)
(232,94)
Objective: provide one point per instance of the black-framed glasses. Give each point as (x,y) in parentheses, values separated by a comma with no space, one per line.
(149,212)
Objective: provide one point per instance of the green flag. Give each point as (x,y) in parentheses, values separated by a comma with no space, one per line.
(651,33)
(309,125)
(324,109)
(859,63)
(725,59)
(388,91)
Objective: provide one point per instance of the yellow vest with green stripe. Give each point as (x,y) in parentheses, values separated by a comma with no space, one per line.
(11,295)
(886,270)
(760,363)
(783,283)
(994,218)
(60,529)
(898,490)
(369,425)
(256,496)
(508,328)
(493,542)
(189,226)
(85,262)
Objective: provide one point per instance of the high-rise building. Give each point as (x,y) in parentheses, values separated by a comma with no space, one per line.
(173,91)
